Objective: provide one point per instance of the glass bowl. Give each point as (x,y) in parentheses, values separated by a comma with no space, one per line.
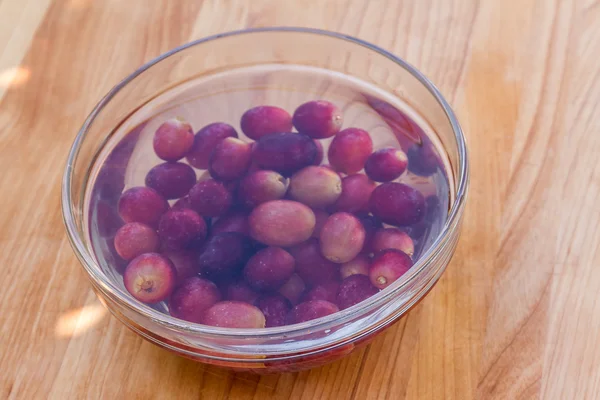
(268,65)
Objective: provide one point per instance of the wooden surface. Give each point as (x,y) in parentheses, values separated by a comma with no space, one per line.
(515,316)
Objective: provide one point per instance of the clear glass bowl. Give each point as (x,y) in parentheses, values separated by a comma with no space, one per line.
(164,83)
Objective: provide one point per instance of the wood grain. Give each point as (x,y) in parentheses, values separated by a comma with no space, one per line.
(516,314)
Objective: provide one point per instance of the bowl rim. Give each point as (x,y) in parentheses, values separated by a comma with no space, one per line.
(364,307)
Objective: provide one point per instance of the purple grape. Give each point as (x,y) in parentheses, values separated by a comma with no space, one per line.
(371,225)
(392,238)
(184,261)
(133,239)
(315,186)
(281,223)
(397,204)
(232,222)
(263,120)
(224,255)
(171,180)
(150,278)
(342,237)
(310,310)
(318,119)
(210,198)
(182,203)
(320,153)
(387,266)
(205,140)
(173,139)
(192,298)
(261,186)
(326,291)
(356,191)
(234,314)
(269,269)
(349,150)
(320,219)
(386,164)
(284,152)
(275,308)
(107,219)
(311,266)
(179,229)
(293,289)
(142,204)
(240,291)
(230,159)
(357,266)
(353,290)
(423,159)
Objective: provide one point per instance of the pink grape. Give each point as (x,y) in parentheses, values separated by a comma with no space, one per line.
(342,237)
(261,186)
(234,314)
(386,164)
(263,120)
(142,204)
(387,266)
(349,150)
(150,278)
(356,192)
(315,186)
(173,139)
(392,238)
(135,238)
(293,289)
(171,180)
(397,204)
(192,298)
(318,119)
(281,223)
(205,141)
(357,266)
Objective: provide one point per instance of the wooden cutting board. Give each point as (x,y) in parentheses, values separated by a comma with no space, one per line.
(515,316)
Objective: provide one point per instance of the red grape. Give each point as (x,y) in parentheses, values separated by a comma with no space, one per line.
(318,119)
(230,159)
(342,237)
(142,204)
(356,191)
(179,229)
(261,186)
(263,120)
(353,290)
(205,140)
(284,152)
(349,150)
(315,186)
(234,314)
(386,164)
(210,198)
(387,266)
(173,139)
(269,268)
(311,266)
(310,310)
